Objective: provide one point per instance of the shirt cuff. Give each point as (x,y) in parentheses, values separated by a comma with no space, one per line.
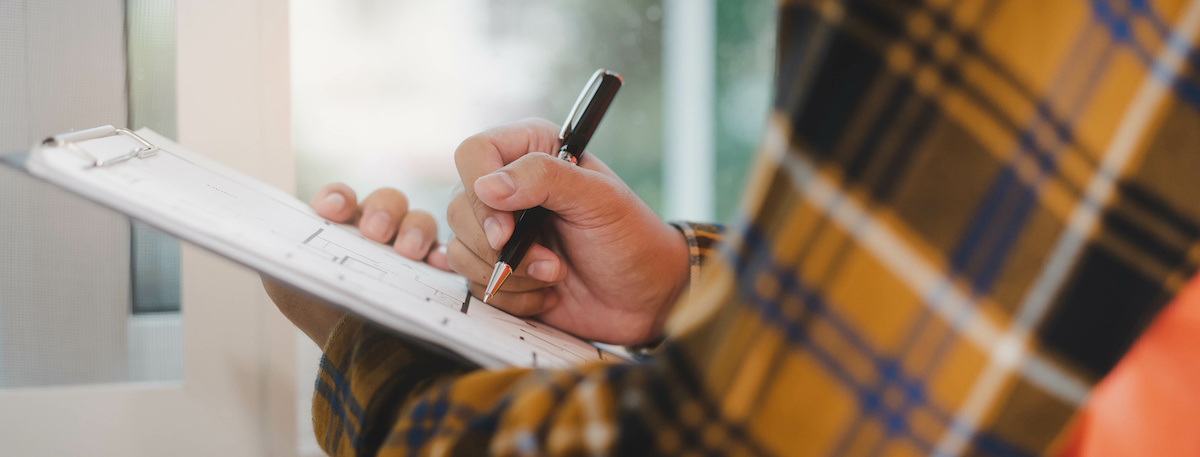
(701,240)
(335,331)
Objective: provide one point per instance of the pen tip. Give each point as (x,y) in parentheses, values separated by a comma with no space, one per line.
(498,276)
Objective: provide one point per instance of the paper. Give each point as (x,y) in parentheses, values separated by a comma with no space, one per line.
(250,222)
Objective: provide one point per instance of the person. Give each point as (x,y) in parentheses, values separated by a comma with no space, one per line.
(960,218)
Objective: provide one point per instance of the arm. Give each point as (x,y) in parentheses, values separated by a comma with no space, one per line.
(377,394)
(312,317)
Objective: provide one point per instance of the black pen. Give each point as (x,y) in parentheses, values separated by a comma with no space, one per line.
(576,132)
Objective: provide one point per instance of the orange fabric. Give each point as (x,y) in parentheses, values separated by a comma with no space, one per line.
(1150,403)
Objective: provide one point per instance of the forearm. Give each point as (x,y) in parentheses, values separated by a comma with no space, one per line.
(312,317)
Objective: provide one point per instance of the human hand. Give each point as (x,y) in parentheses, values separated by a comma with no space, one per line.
(384,217)
(606,268)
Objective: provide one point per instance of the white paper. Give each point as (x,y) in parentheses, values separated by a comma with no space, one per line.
(222,210)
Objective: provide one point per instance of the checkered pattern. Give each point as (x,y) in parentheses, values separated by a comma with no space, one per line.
(962,215)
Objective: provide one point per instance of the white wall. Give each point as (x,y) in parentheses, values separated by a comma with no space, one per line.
(64,263)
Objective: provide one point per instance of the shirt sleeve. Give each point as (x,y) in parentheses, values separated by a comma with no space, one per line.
(378,393)
(702,239)
(366,376)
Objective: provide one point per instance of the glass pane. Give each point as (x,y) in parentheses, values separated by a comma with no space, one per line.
(155,270)
(745,70)
(151,44)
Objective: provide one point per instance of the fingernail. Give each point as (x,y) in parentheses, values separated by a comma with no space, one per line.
(378,225)
(496,185)
(492,229)
(412,242)
(542,270)
(332,203)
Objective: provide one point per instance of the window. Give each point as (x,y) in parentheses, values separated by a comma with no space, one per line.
(745,69)
(383,92)
(150,44)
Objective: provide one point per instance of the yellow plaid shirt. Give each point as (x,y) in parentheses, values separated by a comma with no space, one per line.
(961,216)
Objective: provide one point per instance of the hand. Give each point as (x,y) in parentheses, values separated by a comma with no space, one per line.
(384,217)
(606,267)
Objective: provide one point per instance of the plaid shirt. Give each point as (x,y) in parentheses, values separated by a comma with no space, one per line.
(962,215)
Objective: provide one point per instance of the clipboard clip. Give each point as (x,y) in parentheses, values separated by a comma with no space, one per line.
(69,140)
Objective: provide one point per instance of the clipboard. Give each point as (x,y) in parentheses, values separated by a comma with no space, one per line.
(152,179)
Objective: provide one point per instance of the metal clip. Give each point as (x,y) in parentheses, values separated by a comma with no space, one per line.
(564,155)
(69,140)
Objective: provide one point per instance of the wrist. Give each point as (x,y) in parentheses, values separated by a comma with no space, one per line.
(676,266)
(681,265)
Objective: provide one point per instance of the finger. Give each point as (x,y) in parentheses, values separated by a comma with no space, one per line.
(541,180)
(437,258)
(467,230)
(518,303)
(539,262)
(542,264)
(416,235)
(382,212)
(336,202)
(481,235)
(475,269)
(486,152)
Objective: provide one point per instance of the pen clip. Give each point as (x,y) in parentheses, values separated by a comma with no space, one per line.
(589,90)
(589,108)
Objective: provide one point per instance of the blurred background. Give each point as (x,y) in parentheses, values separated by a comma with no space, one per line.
(384,91)
(117,339)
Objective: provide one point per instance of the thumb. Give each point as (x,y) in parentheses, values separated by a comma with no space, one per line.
(538,179)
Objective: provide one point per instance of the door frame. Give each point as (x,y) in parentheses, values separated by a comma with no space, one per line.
(238,393)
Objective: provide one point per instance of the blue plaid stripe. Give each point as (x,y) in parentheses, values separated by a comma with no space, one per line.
(340,400)
(1121,29)
(755,260)
(881,19)
(425,415)
(325,391)
(1045,158)
(485,424)
(357,431)
(1009,201)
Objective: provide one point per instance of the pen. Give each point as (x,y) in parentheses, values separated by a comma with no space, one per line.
(576,132)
